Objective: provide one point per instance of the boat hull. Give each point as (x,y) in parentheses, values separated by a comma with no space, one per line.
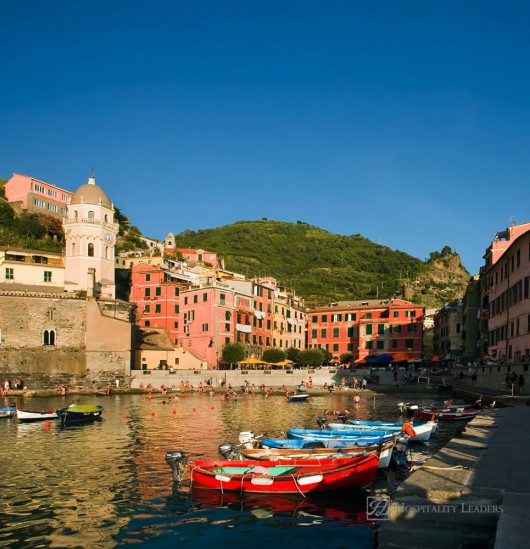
(80,413)
(278,477)
(7,411)
(370,437)
(29,415)
(423,430)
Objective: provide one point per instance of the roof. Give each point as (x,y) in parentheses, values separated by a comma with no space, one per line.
(90,193)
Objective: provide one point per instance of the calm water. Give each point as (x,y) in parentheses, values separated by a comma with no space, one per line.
(107,484)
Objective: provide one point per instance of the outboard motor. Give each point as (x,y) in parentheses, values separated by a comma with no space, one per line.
(176,461)
(401,443)
(228,450)
(342,417)
(246,439)
(321,421)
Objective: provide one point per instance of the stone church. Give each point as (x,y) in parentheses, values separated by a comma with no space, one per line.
(63,324)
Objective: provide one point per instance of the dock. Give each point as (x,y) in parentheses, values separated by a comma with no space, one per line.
(474,492)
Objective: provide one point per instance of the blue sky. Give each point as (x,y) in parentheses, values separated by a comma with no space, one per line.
(404,121)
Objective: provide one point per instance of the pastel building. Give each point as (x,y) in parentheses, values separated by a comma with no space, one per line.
(505,296)
(29,195)
(449,330)
(42,271)
(367,327)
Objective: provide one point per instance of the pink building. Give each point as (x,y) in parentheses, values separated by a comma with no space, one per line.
(505,282)
(31,195)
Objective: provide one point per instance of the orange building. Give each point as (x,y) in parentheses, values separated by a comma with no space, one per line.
(363,328)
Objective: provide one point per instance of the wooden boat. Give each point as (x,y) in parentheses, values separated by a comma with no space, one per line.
(318,450)
(276,477)
(423,430)
(448,414)
(80,413)
(372,437)
(30,415)
(7,411)
(297,397)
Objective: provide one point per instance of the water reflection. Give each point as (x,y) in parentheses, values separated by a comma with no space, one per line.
(107,483)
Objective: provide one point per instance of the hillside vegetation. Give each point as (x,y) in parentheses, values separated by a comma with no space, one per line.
(324,268)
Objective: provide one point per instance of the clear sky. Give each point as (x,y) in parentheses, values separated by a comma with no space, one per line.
(404,121)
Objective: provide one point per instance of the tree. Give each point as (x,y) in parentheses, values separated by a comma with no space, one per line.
(233,353)
(327,355)
(273,355)
(7,214)
(293,354)
(312,357)
(346,358)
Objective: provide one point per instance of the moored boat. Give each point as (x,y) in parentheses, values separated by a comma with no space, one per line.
(423,431)
(80,413)
(7,411)
(372,437)
(297,397)
(30,415)
(276,477)
(308,450)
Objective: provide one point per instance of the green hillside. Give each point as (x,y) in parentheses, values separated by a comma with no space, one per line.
(323,267)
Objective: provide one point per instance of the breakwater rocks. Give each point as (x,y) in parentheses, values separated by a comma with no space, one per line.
(470,494)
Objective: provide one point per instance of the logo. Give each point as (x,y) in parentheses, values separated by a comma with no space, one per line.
(377,507)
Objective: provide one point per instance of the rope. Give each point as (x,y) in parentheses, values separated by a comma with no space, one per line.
(454,467)
(297,487)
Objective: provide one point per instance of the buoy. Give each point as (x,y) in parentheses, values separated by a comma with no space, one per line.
(174,411)
(126,416)
(193,409)
(152,413)
(47,425)
(149,395)
(213,407)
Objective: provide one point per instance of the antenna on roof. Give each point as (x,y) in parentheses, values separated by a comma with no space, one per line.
(512,219)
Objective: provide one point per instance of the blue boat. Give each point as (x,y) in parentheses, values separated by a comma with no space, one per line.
(423,430)
(300,444)
(319,434)
(7,411)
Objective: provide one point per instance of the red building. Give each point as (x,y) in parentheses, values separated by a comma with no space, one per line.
(367,327)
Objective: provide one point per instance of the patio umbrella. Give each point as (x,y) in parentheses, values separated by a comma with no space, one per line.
(360,361)
(384,358)
(371,359)
(252,361)
(400,357)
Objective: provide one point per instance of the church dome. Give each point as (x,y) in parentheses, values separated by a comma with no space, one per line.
(90,193)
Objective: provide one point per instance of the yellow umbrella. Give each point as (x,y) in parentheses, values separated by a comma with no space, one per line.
(252,361)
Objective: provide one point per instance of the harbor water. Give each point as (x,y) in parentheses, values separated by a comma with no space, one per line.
(106,484)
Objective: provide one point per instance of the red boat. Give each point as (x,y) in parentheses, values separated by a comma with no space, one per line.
(448,415)
(276,477)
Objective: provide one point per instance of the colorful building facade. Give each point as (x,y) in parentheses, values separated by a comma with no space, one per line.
(365,328)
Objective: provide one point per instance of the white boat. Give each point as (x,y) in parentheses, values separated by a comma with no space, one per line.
(423,430)
(30,415)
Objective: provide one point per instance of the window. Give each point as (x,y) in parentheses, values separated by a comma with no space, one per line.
(380,345)
(177,291)
(158,308)
(47,276)
(335,346)
(177,309)
(324,333)
(9,273)
(91,215)
(222,299)
(314,319)
(185,301)
(396,314)
(205,297)
(335,332)
(147,309)
(380,329)
(158,291)
(394,343)
(314,333)
(368,315)
(147,277)
(368,329)
(369,344)
(412,328)
(324,318)
(147,292)
(48,337)
(147,323)
(350,331)
(205,327)
(409,343)
(227,327)
(90,250)
(195,299)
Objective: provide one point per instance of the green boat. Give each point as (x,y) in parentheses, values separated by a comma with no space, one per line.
(80,413)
